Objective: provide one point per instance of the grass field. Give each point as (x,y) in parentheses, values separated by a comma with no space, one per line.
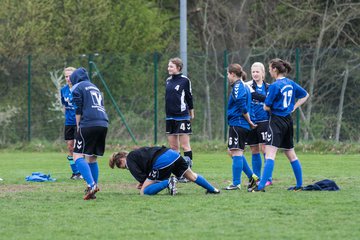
(56,210)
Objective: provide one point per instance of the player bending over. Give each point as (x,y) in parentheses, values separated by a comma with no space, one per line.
(152,167)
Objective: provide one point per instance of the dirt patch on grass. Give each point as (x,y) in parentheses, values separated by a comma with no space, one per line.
(15,188)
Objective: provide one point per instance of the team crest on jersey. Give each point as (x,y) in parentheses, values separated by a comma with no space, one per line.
(177,87)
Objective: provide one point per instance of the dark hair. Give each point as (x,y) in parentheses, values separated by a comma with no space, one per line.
(238,70)
(115,159)
(178,62)
(281,65)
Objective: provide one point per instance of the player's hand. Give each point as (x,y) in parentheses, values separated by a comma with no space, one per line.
(139,185)
(252,125)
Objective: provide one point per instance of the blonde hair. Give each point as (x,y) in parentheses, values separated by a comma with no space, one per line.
(261,66)
(114,159)
(69,69)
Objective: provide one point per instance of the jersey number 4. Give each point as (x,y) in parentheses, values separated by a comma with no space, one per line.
(287,98)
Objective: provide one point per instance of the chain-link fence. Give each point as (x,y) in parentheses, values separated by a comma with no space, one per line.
(30,85)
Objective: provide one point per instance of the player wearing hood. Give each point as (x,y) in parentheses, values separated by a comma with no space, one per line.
(92,124)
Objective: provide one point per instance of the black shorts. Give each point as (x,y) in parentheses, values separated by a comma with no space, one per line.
(237,137)
(178,168)
(90,141)
(258,135)
(281,132)
(69,132)
(178,127)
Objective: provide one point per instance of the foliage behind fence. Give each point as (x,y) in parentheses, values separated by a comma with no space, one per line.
(332,75)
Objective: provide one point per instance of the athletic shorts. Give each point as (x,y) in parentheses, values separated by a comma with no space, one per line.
(258,135)
(237,137)
(281,132)
(70,132)
(177,127)
(170,162)
(90,141)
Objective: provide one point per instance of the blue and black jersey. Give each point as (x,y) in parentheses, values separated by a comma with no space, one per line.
(281,96)
(257,112)
(66,101)
(87,100)
(140,161)
(239,104)
(178,98)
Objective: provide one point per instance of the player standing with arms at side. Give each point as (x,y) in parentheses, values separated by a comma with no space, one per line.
(179,109)
(280,101)
(70,121)
(92,125)
(257,136)
(239,126)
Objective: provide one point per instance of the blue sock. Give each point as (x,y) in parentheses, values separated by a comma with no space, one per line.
(201,181)
(296,166)
(270,178)
(155,187)
(268,169)
(85,171)
(94,168)
(72,165)
(237,167)
(256,163)
(246,168)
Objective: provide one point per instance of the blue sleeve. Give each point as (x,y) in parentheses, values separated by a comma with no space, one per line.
(77,101)
(240,96)
(270,95)
(299,91)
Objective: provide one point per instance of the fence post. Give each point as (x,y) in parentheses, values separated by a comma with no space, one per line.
(155,96)
(297,58)
(225,93)
(29,98)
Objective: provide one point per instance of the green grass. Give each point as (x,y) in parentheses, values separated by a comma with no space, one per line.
(56,210)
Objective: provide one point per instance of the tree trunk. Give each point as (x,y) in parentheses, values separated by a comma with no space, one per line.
(313,71)
(341,104)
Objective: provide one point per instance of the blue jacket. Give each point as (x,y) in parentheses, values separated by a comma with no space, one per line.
(257,112)
(87,100)
(239,104)
(66,101)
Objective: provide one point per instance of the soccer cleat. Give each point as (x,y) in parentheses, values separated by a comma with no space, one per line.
(76,176)
(232,187)
(183,180)
(295,189)
(172,185)
(268,183)
(216,191)
(253,181)
(256,190)
(90,192)
(93,196)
